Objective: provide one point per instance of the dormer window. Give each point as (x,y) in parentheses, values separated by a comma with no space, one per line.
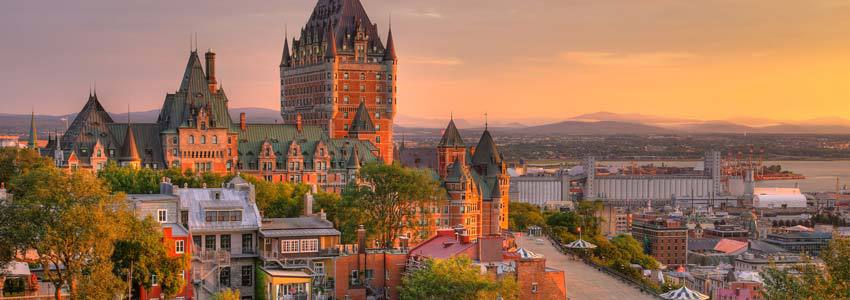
(203,125)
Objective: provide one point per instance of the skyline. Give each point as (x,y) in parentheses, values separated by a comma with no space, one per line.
(768,59)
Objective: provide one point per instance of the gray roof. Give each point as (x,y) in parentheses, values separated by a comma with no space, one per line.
(362,122)
(199,200)
(451,137)
(300,226)
(194,93)
(148,141)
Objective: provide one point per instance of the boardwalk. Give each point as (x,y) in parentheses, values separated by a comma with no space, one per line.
(583,281)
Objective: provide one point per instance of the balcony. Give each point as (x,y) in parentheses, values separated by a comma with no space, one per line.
(220,257)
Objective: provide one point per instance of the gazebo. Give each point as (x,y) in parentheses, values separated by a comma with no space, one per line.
(580,244)
(684,293)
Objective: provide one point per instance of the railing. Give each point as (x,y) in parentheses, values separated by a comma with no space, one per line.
(220,257)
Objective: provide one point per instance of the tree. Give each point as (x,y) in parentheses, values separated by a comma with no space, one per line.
(343,212)
(808,281)
(278,199)
(454,278)
(389,197)
(522,215)
(72,221)
(146,181)
(142,253)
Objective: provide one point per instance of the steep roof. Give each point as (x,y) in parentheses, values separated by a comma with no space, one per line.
(331,52)
(362,122)
(280,136)
(33,140)
(451,137)
(128,148)
(487,158)
(193,94)
(88,126)
(344,16)
(353,159)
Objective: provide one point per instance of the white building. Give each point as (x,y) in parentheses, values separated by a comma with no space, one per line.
(778,198)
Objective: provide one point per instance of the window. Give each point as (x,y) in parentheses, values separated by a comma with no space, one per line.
(378,139)
(203,139)
(224,278)
(196,240)
(174,152)
(362,76)
(179,246)
(174,140)
(534,287)
(289,246)
(209,243)
(345,114)
(345,75)
(215,139)
(377,127)
(311,245)
(345,99)
(319,267)
(247,243)
(224,243)
(229,164)
(162,215)
(377,115)
(191,139)
(369,274)
(247,275)
(362,88)
(153,279)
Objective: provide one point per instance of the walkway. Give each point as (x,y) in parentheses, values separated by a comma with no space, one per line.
(583,281)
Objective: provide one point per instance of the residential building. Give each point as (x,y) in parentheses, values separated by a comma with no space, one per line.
(163,208)
(666,239)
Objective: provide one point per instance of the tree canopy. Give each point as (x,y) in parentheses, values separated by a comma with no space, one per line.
(522,215)
(388,198)
(809,281)
(455,278)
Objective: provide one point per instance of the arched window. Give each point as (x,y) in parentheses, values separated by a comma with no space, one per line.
(174,140)
(203,139)
(377,139)
(191,139)
(215,139)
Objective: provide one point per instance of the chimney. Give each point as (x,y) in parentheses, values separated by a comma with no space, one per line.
(165,186)
(308,204)
(322,214)
(298,122)
(361,240)
(210,57)
(242,123)
(403,242)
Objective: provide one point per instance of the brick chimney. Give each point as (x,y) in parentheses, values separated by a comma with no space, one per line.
(298,122)
(210,58)
(242,123)
(308,204)
(361,239)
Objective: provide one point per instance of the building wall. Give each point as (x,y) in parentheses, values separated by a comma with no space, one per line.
(381,264)
(536,283)
(538,190)
(668,246)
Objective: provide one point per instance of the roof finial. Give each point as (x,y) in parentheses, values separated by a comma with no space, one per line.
(452,116)
(95,89)
(196,42)
(485,121)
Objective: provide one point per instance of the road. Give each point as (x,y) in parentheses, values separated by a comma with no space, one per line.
(583,281)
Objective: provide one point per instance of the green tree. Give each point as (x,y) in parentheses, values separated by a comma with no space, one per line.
(454,278)
(146,181)
(522,215)
(141,253)
(72,221)
(808,281)
(278,199)
(389,198)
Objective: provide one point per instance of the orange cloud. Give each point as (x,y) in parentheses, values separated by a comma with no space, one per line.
(650,59)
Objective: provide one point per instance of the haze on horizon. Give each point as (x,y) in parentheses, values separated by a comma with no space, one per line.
(544,60)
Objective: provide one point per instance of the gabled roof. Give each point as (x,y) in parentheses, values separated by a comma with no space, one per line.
(353,159)
(194,93)
(451,137)
(362,122)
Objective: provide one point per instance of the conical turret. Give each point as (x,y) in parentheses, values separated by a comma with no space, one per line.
(32,142)
(389,52)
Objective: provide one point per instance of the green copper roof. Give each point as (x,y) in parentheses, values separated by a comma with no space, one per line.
(192,96)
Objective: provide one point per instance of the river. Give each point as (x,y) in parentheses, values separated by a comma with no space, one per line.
(820,175)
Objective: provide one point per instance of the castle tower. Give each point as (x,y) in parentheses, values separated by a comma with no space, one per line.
(450,149)
(129,153)
(338,63)
(32,143)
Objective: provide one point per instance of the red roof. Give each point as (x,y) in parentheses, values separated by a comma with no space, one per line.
(445,246)
(730,245)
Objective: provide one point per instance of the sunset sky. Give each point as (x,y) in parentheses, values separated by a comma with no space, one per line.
(528,61)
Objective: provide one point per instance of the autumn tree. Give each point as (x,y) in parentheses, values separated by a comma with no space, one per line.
(455,278)
(389,198)
(227,294)
(71,221)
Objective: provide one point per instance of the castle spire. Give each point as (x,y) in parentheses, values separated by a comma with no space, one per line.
(286,57)
(389,52)
(331,40)
(31,143)
(129,152)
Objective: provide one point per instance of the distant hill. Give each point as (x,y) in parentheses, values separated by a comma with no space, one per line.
(18,124)
(630,118)
(590,128)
